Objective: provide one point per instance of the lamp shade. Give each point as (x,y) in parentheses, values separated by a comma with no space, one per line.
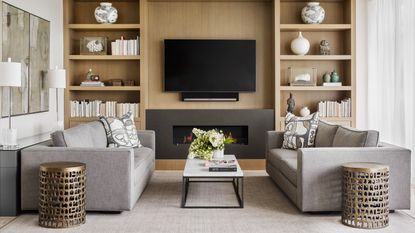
(56,78)
(10,74)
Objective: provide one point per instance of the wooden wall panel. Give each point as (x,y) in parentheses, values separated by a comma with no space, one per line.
(211,20)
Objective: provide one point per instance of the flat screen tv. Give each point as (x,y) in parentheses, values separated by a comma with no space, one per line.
(209,65)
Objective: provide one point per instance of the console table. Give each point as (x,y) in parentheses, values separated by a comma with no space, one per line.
(10,174)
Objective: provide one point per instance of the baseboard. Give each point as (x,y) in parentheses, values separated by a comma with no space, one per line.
(178,164)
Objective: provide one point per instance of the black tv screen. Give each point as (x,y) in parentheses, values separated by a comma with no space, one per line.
(209,65)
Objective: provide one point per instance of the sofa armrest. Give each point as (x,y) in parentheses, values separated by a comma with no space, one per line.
(147,138)
(108,174)
(319,175)
(274,140)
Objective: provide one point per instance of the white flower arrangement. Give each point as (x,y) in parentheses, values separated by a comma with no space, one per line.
(206,142)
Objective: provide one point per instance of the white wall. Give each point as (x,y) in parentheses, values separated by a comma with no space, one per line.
(52,10)
(361,64)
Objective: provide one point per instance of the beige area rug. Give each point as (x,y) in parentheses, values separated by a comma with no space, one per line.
(158,210)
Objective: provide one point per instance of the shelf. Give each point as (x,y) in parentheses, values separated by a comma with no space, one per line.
(315,27)
(107,88)
(88,119)
(315,88)
(104,26)
(103,57)
(314,57)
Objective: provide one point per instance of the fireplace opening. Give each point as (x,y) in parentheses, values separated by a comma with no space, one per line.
(184,135)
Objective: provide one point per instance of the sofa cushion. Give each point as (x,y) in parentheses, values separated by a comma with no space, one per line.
(325,134)
(346,137)
(58,140)
(78,136)
(300,131)
(86,135)
(141,154)
(121,132)
(286,162)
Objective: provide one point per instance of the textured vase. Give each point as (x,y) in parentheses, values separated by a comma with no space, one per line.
(300,45)
(313,13)
(304,111)
(218,154)
(106,13)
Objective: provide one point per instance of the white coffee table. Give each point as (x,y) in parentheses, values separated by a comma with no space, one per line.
(195,171)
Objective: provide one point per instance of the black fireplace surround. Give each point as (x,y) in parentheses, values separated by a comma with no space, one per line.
(173,130)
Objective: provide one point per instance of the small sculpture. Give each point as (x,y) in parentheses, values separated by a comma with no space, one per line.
(306,77)
(95,46)
(334,77)
(326,77)
(290,103)
(89,74)
(324,47)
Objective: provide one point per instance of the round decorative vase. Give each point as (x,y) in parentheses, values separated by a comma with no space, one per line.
(334,77)
(106,13)
(304,111)
(300,45)
(218,154)
(326,77)
(313,13)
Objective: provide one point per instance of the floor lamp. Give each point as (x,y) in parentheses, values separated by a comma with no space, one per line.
(10,76)
(57,80)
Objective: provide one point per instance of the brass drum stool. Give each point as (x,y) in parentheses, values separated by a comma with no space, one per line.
(365,195)
(61,194)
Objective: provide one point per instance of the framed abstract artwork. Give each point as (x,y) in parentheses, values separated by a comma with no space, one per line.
(26,39)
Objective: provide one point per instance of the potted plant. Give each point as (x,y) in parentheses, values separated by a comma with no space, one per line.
(208,144)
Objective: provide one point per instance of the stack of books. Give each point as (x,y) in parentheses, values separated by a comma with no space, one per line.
(221,165)
(92,84)
(335,108)
(86,108)
(126,47)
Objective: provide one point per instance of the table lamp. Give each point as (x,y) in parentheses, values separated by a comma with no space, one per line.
(10,76)
(57,80)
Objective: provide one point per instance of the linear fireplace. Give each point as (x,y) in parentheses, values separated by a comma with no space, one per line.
(173,130)
(184,135)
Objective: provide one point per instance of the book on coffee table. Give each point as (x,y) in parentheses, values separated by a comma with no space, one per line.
(221,165)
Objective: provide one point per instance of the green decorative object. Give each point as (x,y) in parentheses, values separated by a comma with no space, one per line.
(334,77)
(326,77)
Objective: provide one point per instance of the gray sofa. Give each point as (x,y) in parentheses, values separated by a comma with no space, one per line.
(312,177)
(116,177)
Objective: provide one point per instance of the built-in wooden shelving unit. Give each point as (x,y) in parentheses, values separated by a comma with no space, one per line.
(338,28)
(79,21)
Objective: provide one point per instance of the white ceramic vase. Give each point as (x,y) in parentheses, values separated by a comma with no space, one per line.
(313,13)
(304,111)
(218,154)
(106,13)
(300,45)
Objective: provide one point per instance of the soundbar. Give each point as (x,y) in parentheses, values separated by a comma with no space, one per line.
(210,96)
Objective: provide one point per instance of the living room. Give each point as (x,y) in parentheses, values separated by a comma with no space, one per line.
(207,116)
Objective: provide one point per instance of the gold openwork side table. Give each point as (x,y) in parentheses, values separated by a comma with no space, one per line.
(365,195)
(62,194)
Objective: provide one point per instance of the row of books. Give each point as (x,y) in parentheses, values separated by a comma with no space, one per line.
(125,47)
(95,108)
(335,108)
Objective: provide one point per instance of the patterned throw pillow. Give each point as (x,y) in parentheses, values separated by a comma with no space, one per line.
(121,132)
(300,131)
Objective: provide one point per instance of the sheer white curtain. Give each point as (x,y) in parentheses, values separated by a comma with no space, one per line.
(391,70)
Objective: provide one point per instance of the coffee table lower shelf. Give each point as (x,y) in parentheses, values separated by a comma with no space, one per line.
(237,182)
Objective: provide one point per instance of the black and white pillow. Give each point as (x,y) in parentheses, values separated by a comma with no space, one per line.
(121,132)
(300,131)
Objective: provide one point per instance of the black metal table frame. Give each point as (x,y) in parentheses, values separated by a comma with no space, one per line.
(237,182)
